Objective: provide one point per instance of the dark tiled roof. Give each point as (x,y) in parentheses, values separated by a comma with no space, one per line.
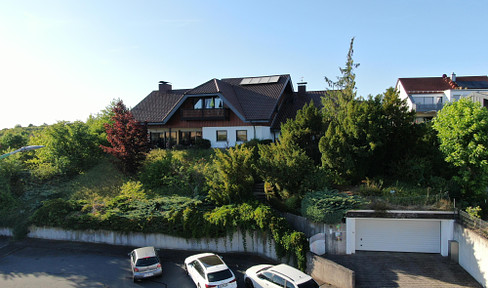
(156,106)
(252,102)
(437,84)
(295,103)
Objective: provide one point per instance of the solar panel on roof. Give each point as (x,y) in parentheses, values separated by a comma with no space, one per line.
(255,80)
(260,80)
(473,84)
(274,79)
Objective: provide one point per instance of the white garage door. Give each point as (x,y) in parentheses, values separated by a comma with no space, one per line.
(422,236)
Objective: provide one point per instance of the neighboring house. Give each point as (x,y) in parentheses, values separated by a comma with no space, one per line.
(226,111)
(429,94)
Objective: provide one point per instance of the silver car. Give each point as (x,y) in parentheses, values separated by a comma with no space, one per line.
(145,263)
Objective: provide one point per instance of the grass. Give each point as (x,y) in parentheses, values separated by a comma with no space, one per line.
(403,196)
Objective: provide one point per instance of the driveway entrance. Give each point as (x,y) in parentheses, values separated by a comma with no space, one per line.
(387,269)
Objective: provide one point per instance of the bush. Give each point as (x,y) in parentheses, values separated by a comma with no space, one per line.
(328,206)
(70,149)
(202,144)
(174,172)
(230,178)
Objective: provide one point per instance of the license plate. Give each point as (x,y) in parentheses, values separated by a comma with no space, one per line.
(148,274)
(223,285)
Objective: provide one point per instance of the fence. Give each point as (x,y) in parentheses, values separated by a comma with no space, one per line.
(475,224)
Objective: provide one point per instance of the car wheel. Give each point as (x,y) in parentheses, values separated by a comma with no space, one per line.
(249,283)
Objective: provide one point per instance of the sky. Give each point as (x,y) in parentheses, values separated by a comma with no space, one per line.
(65,60)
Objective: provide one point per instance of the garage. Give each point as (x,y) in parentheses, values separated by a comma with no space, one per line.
(398,235)
(399,231)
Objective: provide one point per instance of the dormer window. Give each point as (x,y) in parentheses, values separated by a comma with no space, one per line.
(208,103)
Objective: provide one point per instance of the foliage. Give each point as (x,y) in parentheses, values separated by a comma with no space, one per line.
(202,144)
(128,139)
(462,128)
(329,206)
(474,211)
(305,131)
(337,103)
(230,178)
(407,196)
(287,168)
(178,216)
(11,170)
(97,122)
(367,138)
(70,149)
(13,139)
(175,172)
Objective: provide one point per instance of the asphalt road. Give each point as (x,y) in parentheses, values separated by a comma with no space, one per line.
(46,263)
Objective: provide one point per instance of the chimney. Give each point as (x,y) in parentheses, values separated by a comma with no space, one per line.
(302,87)
(164,87)
(453,77)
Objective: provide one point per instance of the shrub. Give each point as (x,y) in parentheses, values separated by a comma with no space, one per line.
(328,206)
(230,178)
(70,149)
(202,144)
(174,172)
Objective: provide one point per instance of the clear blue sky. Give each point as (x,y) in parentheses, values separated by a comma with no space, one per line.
(66,59)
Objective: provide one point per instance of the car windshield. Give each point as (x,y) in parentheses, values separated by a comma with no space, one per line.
(219,276)
(309,284)
(147,261)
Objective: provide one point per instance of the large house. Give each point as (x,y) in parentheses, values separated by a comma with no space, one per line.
(224,111)
(429,94)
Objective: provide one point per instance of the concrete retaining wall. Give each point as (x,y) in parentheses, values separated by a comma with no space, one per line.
(326,271)
(256,243)
(473,253)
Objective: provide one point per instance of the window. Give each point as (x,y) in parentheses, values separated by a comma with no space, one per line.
(218,103)
(241,135)
(208,103)
(221,135)
(198,104)
(278,280)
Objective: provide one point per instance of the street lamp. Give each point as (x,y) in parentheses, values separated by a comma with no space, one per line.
(23,149)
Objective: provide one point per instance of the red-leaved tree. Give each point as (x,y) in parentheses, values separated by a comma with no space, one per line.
(127,137)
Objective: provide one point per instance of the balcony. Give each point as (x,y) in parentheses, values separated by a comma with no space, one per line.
(427,107)
(205,114)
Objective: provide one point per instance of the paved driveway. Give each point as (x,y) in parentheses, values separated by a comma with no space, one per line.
(385,269)
(53,264)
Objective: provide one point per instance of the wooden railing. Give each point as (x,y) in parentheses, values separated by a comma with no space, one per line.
(205,114)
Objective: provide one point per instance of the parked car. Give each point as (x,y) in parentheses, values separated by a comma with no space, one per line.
(209,270)
(145,263)
(282,275)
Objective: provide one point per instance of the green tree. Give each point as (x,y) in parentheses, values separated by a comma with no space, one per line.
(230,178)
(462,128)
(13,139)
(70,149)
(305,131)
(96,122)
(338,103)
(287,169)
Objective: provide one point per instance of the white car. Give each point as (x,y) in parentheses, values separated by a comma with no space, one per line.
(282,275)
(209,270)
